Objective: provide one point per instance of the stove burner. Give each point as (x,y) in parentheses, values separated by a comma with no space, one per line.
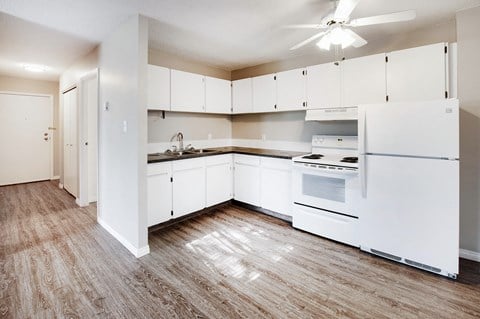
(350,160)
(313,156)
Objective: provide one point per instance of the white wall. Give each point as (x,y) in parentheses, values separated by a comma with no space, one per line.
(468,39)
(123,155)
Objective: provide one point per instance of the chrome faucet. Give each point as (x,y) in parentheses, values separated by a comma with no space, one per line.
(179,137)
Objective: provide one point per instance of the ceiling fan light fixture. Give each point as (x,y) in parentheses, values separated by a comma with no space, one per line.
(324,42)
(339,36)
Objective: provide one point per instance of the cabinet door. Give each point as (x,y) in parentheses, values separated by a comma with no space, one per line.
(291,93)
(218,179)
(417,74)
(363,80)
(324,85)
(158,88)
(247,179)
(159,193)
(218,95)
(242,99)
(188,92)
(188,186)
(276,185)
(264,93)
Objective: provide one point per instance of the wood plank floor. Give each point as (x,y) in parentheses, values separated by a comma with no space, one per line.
(56,261)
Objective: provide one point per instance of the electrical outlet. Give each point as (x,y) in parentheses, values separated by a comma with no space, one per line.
(209,136)
(264,137)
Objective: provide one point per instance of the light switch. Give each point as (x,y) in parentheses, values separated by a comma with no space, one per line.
(125,127)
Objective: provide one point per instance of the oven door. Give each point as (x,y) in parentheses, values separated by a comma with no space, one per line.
(334,191)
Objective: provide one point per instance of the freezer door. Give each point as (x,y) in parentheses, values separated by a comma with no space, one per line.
(426,129)
(410,209)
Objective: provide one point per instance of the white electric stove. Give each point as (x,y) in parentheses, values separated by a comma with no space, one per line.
(326,189)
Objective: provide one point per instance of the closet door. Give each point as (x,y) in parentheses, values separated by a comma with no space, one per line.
(70,145)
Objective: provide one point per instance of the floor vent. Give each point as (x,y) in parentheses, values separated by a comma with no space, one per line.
(423,266)
(386,255)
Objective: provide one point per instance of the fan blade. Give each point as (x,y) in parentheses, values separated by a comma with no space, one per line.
(344,9)
(385,18)
(312,38)
(305,26)
(359,41)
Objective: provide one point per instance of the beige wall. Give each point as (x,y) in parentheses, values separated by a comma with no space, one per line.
(194,126)
(168,60)
(468,24)
(14,84)
(445,32)
(286,126)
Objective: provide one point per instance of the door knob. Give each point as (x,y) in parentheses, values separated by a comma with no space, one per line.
(45,138)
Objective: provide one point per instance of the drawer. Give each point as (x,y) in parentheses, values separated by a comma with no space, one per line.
(277,163)
(191,163)
(218,159)
(333,226)
(159,168)
(247,159)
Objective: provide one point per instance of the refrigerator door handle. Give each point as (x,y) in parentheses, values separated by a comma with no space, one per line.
(362,117)
(362,159)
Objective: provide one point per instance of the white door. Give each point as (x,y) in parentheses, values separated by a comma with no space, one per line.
(276,181)
(428,129)
(92,134)
(411,209)
(291,93)
(158,88)
(264,93)
(218,95)
(242,99)
(188,92)
(218,179)
(70,142)
(247,179)
(417,74)
(159,188)
(25,139)
(188,186)
(324,85)
(363,80)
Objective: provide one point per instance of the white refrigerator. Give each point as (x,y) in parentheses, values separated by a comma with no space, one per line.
(409,176)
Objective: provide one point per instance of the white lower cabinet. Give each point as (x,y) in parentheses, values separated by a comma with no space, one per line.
(159,192)
(219,179)
(247,179)
(178,188)
(188,186)
(275,189)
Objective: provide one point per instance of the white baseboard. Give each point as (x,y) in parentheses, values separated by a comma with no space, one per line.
(55,178)
(137,252)
(470,255)
(60,185)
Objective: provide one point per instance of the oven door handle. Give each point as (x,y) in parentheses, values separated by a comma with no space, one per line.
(362,167)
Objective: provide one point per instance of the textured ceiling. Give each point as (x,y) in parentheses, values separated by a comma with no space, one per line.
(230,34)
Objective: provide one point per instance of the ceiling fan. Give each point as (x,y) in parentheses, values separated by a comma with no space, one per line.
(336,26)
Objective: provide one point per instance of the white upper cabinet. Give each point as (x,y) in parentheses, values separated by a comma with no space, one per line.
(242,99)
(417,74)
(291,90)
(363,80)
(158,88)
(264,93)
(324,85)
(188,92)
(218,95)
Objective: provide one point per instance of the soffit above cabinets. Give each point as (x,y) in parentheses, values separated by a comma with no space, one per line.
(227,34)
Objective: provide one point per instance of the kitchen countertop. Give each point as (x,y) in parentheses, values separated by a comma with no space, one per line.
(160,157)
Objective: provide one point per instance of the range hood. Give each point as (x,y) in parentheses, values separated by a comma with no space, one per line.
(333,114)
